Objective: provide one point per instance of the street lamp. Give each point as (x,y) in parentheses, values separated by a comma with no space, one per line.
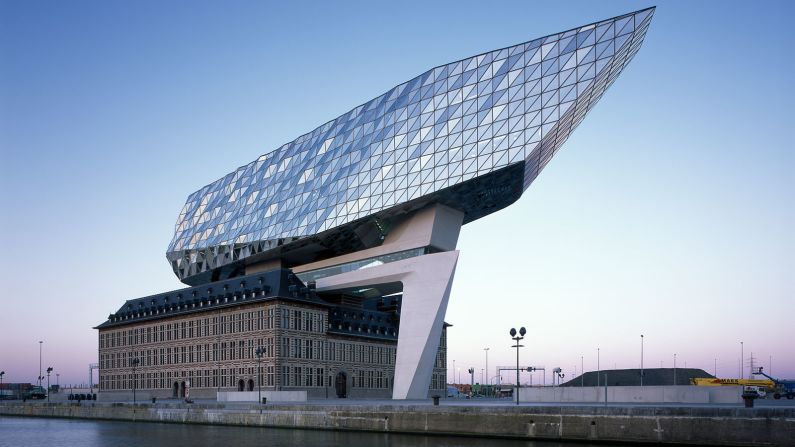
(2,373)
(487,363)
(40,376)
(517,339)
(582,371)
(49,370)
(742,359)
(641,359)
(135,363)
(454,381)
(598,368)
(260,351)
(674,369)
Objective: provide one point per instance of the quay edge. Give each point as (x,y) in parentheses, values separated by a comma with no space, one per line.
(648,424)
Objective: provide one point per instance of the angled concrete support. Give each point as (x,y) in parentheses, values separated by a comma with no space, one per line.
(426,283)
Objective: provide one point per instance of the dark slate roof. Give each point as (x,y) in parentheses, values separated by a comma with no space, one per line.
(265,286)
(363,323)
(631,377)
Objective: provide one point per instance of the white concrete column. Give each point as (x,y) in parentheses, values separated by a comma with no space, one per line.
(426,284)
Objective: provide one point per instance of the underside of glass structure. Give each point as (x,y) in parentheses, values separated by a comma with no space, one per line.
(471,135)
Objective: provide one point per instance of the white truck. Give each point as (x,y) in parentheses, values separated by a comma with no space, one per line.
(753,389)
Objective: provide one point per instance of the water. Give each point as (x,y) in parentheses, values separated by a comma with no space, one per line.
(42,432)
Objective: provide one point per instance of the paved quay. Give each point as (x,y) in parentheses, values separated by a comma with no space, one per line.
(634,424)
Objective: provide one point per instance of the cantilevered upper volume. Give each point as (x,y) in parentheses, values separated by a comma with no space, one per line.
(471,134)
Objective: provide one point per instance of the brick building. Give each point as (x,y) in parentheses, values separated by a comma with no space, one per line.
(206,339)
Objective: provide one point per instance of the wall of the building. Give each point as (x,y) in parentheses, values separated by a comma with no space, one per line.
(439,377)
(215,351)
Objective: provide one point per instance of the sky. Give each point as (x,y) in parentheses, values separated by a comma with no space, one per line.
(668,212)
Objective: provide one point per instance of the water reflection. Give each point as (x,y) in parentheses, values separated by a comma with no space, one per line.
(40,432)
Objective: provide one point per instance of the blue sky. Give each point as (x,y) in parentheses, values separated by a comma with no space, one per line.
(668,212)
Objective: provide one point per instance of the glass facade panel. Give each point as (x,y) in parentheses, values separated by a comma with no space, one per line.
(448,125)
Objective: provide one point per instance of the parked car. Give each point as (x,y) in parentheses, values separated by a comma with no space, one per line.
(453,392)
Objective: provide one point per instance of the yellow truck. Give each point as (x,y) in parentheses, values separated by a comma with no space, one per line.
(714,381)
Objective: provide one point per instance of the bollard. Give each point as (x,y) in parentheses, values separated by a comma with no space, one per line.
(264,400)
(748,398)
(435,400)
(154,400)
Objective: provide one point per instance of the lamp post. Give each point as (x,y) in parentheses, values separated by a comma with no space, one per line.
(135,363)
(742,359)
(49,370)
(454,381)
(2,373)
(598,367)
(674,369)
(487,363)
(517,339)
(58,380)
(40,342)
(260,351)
(582,371)
(641,359)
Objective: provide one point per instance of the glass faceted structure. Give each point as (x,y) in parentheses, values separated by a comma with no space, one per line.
(472,134)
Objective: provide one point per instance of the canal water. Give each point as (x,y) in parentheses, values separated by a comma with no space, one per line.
(42,432)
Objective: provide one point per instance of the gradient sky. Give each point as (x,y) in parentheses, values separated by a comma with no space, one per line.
(669,212)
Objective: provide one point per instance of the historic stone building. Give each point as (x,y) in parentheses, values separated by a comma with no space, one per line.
(206,339)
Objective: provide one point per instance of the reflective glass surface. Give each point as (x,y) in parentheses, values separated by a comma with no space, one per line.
(314,275)
(446,126)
